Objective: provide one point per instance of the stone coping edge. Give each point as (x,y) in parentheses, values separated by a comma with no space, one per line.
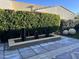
(13,44)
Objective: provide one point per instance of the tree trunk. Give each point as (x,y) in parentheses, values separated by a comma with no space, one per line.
(23,34)
(36,35)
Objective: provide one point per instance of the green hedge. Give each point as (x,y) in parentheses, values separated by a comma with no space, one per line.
(10,19)
(11,23)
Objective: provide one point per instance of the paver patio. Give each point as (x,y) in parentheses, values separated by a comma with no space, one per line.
(66,48)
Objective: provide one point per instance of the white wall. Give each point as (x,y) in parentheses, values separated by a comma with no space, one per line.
(5,4)
(64,14)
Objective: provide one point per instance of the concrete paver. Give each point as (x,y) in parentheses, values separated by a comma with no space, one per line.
(66,48)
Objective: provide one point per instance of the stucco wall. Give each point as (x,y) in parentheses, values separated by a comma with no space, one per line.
(64,13)
(13,4)
(23,6)
(5,4)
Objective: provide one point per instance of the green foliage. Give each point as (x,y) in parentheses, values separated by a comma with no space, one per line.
(77,16)
(10,19)
(69,24)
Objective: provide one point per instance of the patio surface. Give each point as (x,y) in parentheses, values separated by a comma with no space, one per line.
(66,48)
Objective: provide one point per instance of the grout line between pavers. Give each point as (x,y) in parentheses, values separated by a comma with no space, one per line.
(39,53)
(34,51)
(20,53)
(2,46)
(4,52)
(27,57)
(44,48)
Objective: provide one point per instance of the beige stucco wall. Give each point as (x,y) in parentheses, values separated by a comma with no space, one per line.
(13,4)
(5,4)
(23,6)
(59,10)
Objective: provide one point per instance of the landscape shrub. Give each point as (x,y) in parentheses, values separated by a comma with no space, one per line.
(67,24)
(77,27)
(13,21)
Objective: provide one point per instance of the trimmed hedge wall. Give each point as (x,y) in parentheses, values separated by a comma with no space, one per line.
(11,20)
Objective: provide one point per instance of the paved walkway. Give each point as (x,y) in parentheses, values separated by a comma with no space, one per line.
(66,48)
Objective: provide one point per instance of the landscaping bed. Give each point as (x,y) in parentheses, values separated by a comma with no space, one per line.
(74,35)
(13,44)
(33,38)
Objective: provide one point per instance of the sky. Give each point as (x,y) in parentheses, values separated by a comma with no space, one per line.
(72,5)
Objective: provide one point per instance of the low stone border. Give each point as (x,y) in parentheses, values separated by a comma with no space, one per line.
(12,44)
